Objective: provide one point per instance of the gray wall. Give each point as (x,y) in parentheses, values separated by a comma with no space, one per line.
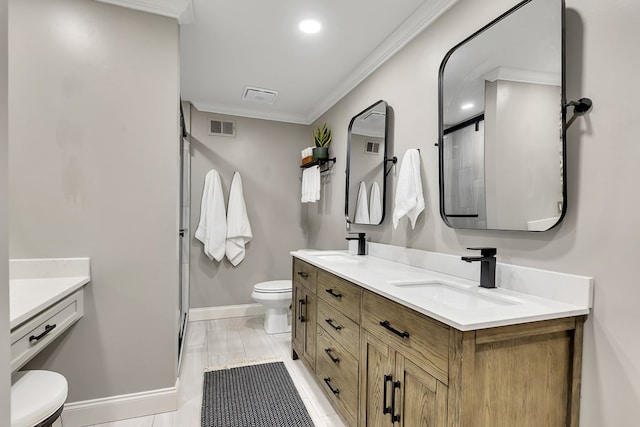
(94,172)
(267,155)
(5,399)
(599,235)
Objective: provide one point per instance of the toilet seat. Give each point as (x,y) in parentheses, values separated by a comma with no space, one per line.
(273,286)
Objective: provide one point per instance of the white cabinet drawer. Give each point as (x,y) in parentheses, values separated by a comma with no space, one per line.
(31,337)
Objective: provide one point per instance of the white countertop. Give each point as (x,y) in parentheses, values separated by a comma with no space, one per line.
(383,277)
(28,297)
(36,284)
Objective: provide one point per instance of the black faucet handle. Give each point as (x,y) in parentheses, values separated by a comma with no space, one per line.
(485,252)
(360,236)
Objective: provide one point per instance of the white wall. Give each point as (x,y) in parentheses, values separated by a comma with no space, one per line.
(94,172)
(600,233)
(5,364)
(267,155)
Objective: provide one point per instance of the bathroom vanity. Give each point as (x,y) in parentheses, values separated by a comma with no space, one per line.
(46,298)
(398,344)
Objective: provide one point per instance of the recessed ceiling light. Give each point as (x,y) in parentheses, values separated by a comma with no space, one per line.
(466,106)
(309,26)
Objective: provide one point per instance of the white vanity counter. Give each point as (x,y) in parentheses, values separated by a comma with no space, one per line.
(45,299)
(444,291)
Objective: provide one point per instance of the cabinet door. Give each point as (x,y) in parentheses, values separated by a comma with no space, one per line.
(297,315)
(310,328)
(376,377)
(420,399)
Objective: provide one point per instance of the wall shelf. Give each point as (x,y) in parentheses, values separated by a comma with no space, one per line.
(326,163)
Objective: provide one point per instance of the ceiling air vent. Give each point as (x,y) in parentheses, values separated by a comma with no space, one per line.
(222,127)
(259,95)
(372,147)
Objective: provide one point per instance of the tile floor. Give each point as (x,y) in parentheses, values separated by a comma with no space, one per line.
(217,342)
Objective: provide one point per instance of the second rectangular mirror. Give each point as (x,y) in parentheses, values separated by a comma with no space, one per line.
(366,154)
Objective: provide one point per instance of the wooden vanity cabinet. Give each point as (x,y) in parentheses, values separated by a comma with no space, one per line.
(303,312)
(398,367)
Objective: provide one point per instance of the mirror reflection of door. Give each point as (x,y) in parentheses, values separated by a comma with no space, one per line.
(502,147)
(365,176)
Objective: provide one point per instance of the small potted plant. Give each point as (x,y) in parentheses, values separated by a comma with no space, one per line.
(322,139)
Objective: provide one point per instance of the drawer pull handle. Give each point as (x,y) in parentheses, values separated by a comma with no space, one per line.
(387,325)
(387,379)
(331,356)
(333,390)
(300,315)
(303,274)
(394,417)
(333,325)
(47,329)
(333,294)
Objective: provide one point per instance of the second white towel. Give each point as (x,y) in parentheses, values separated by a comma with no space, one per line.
(409,199)
(238,226)
(362,207)
(375,205)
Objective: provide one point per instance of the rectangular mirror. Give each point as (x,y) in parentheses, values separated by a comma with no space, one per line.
(502,123)
(366,153)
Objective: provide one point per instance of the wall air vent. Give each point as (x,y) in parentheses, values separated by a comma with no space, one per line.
(222,127)
(372,147)
(259,95)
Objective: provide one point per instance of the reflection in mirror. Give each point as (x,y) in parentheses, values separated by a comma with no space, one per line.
(502,125)
(366,153)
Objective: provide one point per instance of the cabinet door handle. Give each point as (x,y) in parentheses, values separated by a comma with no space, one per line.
(331,356)
(335,391)
(333,294)
(47,329)
(333,325)
(300,316)
(386,379)
(303,274)
(387,325)
(394,417)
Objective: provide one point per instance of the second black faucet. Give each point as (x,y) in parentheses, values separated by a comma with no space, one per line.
(487,260)
(362,243)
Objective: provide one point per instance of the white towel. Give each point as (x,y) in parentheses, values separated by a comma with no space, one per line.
(238,227)
(409,200)
(362,207)
(375,205)
(311,184)
(212,228)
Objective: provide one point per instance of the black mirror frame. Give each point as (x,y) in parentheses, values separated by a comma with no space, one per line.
(564,106)
(383,165)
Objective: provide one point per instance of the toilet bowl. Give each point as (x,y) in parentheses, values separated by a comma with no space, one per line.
(275,295)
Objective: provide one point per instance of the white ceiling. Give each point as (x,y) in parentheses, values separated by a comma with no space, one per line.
(226,45)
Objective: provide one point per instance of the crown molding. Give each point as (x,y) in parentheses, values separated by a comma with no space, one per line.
(181,10)
(250,113)
(523,76)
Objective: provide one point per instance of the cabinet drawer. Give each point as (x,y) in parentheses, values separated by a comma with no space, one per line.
(304,274)
(424,339)
(339,327)
(346,365)
(343,295)
(341,389)
(30,338)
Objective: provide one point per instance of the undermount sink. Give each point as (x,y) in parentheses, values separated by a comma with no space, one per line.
(338,257)
(451,295)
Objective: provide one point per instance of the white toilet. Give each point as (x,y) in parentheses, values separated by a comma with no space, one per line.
(275,295)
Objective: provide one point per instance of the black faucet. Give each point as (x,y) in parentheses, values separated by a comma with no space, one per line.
(487,260)
(362,243)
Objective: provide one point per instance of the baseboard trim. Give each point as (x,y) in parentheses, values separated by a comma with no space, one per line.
(224,312)
(115,408)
